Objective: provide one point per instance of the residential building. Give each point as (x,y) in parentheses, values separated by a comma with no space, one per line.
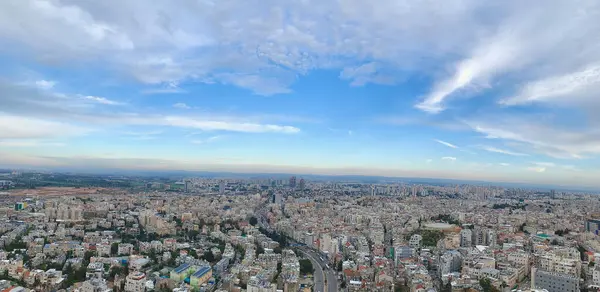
(554,282)
(135,282)
(201,276)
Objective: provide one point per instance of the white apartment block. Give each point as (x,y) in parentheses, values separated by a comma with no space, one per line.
(125,248)
(135,282)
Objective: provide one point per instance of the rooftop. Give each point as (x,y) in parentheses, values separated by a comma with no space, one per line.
(182,268)
(201,272)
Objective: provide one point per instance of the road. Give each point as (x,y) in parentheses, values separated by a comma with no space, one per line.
(321,272)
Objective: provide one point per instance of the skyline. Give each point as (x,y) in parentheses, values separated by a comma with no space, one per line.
(500,91)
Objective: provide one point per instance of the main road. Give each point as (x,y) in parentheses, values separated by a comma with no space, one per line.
(322,273)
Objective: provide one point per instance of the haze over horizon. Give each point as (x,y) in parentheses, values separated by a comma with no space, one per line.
(472,90)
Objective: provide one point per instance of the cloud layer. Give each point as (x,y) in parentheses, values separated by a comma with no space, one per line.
(516,79)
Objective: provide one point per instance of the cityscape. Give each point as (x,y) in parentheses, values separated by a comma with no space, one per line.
(299,146)
(82,232)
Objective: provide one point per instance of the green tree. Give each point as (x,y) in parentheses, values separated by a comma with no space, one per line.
(88,254)
(122,271)
(259,250)
(208,256)
(487,286)
(253,221)
(114,248)
(306,266)
(522,227)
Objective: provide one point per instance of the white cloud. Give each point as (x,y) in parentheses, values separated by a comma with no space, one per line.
(15,127)
(569,87)
(429,160)
(208,125)
(539,169)
(149,135)
(534,136)
(368,73)
(264,45)
(489,58)
(207,140)
(101,100)
(181,105)
(525,42)
(163,91)
(446,143)
(45,84)
(502,151)
(29,143)
(24,103)
(450,158)
(504,164)
(236,42)
(571,167)
(545,164)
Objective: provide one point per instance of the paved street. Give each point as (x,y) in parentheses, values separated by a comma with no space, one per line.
(321,272)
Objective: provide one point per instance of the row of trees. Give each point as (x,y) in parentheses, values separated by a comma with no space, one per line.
(446,218)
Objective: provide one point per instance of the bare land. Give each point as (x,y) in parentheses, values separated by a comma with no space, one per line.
(57,191)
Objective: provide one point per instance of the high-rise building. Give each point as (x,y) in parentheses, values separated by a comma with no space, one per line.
(302,184)
(293,181)
(221,187)
(277,198)
(593,225)
(466,238)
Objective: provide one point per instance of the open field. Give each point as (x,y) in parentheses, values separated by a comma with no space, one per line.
(56,191)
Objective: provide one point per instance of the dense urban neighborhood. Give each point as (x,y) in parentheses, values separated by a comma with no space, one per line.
(260,235)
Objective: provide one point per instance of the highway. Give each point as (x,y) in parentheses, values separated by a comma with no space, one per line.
(321,272)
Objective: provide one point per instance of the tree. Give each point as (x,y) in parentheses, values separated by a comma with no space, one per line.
(192,253)
(448,287)
(487,286)
(278,272)
(339,266)
(259,250)
(116,271)
(253,221)
(306,266)
(522,228)
(114,248)
(88,254)
(208,256)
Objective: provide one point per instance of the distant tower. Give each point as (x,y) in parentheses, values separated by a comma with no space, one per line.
(277,198)
(293,182)
(302,184)
(188,186)
(221,187)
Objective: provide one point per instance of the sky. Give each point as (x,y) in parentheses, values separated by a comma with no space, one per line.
(463,89)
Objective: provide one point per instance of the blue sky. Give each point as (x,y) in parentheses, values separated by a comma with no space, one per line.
(487,90)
